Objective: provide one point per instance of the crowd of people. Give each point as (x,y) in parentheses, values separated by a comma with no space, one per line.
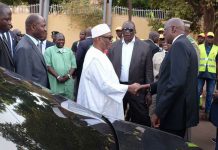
(155,82)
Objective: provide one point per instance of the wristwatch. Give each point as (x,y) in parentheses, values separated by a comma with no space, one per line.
(58,77)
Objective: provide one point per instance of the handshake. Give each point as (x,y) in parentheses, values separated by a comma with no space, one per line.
(135,88)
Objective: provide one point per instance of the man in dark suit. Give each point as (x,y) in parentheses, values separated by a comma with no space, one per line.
(132,61)
(80,55)
(29,61)
(82,36)
(153,41)
(10,39)
(6,59)
(177,98)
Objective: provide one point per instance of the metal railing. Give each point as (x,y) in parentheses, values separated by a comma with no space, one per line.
(118,10)
(148,13)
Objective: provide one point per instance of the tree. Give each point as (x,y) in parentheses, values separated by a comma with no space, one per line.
(194,11)
(208,11)
(135,3)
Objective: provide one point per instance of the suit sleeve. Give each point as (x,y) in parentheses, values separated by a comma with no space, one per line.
(23,58)
(179,59)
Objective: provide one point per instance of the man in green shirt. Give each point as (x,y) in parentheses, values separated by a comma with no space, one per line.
(61,64)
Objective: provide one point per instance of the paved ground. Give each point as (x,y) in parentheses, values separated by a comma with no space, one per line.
(202,134)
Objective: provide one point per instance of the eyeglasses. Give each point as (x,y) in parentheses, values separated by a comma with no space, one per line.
(19,35)
(107,37)
(128,29)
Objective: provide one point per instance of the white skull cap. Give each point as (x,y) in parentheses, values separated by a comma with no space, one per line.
(99,30)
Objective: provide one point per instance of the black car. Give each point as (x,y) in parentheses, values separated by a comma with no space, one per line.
(33,119)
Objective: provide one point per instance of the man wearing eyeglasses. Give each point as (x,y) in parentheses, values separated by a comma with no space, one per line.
(99,88)
(132,61)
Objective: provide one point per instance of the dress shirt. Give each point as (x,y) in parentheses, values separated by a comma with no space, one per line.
(176,38)
(127,50)
(9,41)
(99,87)
(43,46)
(35,41)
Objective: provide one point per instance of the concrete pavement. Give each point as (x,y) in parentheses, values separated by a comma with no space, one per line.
(202,134)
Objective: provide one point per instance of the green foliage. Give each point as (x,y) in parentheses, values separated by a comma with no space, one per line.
(11,2)
(135,3)
(156,24)
(85,14)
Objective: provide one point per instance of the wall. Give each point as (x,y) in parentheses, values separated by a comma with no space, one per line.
(142,28)
(71,29)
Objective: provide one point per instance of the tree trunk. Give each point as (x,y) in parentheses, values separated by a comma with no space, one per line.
(209,17)
(130,10)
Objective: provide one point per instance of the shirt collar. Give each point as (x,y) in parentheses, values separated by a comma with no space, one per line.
(44,42)
(35,41)
(61,50)
(133,40)
(176,38)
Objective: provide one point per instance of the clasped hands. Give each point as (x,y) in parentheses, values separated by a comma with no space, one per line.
(135,88)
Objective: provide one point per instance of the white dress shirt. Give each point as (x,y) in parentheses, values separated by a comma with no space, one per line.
(43,46)
(127,50)
(99,88)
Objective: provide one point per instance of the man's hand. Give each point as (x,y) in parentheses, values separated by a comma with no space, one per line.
(60,79)
(148,99)
(155,121)
(133,88)
(145,86)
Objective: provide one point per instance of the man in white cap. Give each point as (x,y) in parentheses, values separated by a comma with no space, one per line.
(99,88)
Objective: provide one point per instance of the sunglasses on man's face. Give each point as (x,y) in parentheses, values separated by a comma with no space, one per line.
(128,30)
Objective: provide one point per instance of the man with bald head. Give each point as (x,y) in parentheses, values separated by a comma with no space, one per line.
(153,41)
(61,64)
(6,60)
(132,61)
(176,102)
(29,61)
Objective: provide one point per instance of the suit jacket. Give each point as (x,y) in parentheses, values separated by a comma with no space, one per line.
(49,44)
(6,59)
(141,66)
(14,40)
(81,53)
(74,46)
(177,98)
(30,63)
(154,48)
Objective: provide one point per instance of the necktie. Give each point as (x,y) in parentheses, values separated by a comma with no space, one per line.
(40,46)
(8,43)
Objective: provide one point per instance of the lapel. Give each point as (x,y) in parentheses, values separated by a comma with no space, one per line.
(119,57)
(7,51)
(134,56)
(35,48)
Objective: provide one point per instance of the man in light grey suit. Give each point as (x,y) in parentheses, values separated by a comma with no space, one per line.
(132,61)
(29,61)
